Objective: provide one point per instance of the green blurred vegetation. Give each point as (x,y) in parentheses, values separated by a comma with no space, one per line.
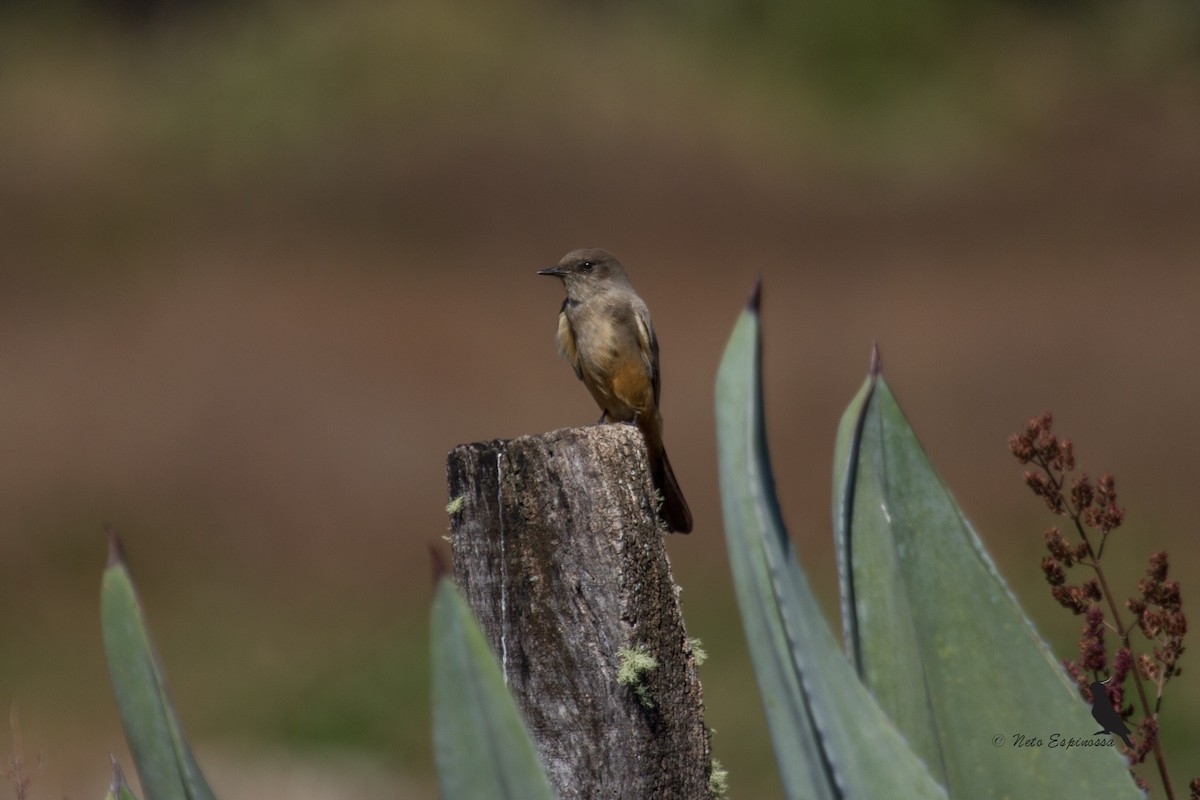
(202,101)
(139,147)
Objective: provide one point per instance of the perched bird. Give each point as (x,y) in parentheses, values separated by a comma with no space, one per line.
(605,332)
(1107,716)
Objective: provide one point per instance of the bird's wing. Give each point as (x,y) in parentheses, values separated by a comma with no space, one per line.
(566,342)
(648,344)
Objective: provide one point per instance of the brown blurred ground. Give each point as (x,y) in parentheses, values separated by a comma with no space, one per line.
(249,346)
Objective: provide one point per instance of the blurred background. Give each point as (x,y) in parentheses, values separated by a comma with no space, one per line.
(262,265)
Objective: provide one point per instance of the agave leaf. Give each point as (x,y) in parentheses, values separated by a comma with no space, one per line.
(119,790)
(480,742)
(936,634)
(164,761)
(831,739)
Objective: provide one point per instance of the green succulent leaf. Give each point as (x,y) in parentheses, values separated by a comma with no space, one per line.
(481,745)
(163,758)
(831,739)
(938,637)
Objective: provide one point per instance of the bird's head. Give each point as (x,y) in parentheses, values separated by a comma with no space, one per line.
(588,272)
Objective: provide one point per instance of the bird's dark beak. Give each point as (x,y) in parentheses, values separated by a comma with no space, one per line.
(557,272)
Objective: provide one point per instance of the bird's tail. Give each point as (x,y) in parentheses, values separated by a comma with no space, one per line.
(675,509)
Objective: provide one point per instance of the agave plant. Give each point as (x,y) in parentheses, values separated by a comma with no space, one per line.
(161,753)
(944,688)
(480,742)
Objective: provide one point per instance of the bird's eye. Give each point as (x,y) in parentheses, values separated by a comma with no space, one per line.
(587,265)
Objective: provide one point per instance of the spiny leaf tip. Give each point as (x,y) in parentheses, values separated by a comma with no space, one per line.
(755,301)
(876,367)
(116,552)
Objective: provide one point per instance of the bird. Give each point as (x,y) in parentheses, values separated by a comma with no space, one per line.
(1107,716)
(605,332)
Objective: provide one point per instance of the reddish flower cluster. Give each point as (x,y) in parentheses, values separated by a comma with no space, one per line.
(1159,610)
(1092,655)
(1146,734)
(1064,555)
(1122,663)
(1092,508)
(1095,504)
(1099,507)
(1037,441)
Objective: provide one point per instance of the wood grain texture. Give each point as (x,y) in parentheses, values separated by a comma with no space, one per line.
(558,550)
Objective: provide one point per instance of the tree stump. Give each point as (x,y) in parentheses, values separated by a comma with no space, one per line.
(559,551)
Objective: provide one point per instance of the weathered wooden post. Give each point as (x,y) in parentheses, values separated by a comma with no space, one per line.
(558,550)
